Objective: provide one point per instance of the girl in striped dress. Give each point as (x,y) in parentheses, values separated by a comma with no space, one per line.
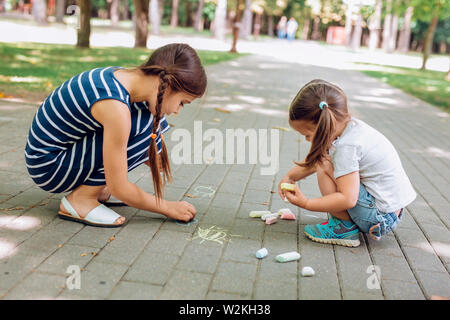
(102,123)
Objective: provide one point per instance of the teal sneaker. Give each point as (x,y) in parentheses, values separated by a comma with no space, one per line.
(334,232)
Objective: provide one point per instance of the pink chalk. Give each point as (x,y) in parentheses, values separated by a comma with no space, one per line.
(288,216)
(271,220)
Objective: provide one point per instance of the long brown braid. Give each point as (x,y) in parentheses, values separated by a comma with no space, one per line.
(305,106)
(178,68)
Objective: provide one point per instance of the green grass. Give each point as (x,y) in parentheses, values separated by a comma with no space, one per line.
(31,71)
(429,86)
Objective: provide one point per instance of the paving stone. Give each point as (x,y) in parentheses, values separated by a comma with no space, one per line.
(66,256)
(401,290)
(37,286)
(241,281)
(127,290)
(215,295)
(168,241)
(184,285)
(152,268)
(423,260)
(434,283)
(15,268)
(209,254)
(242,250)
(219,216)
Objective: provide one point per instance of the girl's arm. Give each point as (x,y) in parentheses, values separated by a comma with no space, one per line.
(295,174)
(116,120)
(344,198)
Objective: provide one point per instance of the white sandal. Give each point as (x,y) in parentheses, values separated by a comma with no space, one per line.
(100,216)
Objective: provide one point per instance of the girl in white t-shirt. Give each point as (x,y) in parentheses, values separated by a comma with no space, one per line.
(363,184)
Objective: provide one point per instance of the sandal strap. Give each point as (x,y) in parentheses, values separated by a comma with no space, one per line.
(69,207)
(102,215)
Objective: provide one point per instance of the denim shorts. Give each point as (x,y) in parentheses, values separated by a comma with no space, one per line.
(366,215)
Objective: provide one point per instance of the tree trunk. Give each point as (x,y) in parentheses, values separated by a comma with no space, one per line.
(154,16)
(356,37)
(348,24)
(247,18)
(220,19)
(189,14)
(305,31)
(198,23)
(405,34)
(236,26)
(375,25)
(316,29)
(174,17)
(60,10)
(124,14)
(84,31)
(270,25)
(141,25)
(393,34)
(257,25)
(387,26)
(430,35)
(114,12)
(39,11)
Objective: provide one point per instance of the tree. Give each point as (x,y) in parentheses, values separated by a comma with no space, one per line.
(84,32)
(220,20)
(405,34)
(387,26)
(174,16)
(141,25)
(236,26)
(60,10)
(246,28)
(357,33)
(430,34)
(198,22)
(114,11)
(375,25)
(154,16)
(39,11)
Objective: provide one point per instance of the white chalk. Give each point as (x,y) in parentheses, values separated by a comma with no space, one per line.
(261,253)
(288,256)
(308,272)
(269,215)
(258,214)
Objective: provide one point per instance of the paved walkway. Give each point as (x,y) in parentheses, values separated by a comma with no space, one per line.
(155,258)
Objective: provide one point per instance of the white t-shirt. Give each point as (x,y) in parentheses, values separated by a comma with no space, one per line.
(362,148)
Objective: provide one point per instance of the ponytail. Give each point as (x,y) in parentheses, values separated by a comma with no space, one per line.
(324,105)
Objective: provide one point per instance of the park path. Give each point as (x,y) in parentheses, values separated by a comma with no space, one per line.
(155,258)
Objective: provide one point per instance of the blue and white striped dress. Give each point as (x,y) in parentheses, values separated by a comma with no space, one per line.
(64,146)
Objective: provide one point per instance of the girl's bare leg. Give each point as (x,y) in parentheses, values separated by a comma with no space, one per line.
(327,185)
(85,198)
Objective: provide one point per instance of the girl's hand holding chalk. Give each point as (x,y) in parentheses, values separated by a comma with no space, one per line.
(283,182)
(297,197)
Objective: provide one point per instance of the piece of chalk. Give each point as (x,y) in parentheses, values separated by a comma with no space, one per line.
(271,220)
(285,199)
(308,272)
(288,186)
(284,210)
(258,214)
(288,256)
(288,216)
(261,253)
(269,215)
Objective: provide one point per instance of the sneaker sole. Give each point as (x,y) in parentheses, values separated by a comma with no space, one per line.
(341,242)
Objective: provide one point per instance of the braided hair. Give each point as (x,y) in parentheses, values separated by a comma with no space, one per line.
(178,68)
